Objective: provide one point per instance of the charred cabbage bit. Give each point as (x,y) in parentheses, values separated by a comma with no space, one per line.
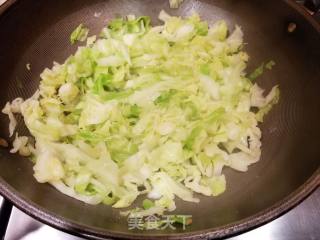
(141,110)
(3,142)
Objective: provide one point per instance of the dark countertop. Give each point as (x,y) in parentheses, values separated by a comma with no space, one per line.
(301,223)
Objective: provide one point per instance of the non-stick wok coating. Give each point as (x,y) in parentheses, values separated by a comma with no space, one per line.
(37,32)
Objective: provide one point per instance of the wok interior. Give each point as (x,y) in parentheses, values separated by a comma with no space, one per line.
(37,32)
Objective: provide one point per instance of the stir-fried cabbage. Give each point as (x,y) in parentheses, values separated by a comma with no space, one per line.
(79,34)
(175,3)
(141,110)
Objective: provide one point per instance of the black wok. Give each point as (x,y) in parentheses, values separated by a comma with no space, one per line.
(37,32)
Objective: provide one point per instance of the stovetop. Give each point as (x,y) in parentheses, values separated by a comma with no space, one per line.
(301,223)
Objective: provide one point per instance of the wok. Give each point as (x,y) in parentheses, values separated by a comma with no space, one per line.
(37,32)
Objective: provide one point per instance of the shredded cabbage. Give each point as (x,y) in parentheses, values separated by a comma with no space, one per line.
(142,110)
(79,34)
(175,3)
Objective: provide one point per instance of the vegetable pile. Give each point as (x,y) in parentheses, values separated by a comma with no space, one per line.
(141,110)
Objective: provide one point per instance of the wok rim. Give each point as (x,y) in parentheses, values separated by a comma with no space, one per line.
(241,226)
(262,217)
